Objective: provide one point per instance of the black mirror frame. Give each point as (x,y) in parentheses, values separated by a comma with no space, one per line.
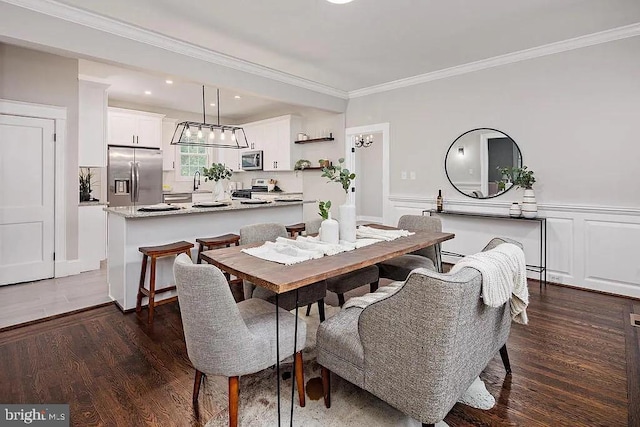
(454,142)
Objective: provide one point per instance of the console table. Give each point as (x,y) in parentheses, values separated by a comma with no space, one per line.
(542,221)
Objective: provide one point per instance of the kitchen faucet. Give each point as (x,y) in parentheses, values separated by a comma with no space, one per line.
(196,183)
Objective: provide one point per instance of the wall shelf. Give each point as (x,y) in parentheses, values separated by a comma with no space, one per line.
(310,168)
(306,141)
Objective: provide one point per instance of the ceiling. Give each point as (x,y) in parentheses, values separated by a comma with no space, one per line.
(367,42)
(130,85)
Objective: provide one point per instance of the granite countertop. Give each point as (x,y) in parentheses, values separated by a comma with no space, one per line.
(187,208)
(93,203)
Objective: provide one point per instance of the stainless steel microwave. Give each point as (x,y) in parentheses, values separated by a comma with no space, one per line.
(252,160)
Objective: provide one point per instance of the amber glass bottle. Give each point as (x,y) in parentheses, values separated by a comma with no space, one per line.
(439,201)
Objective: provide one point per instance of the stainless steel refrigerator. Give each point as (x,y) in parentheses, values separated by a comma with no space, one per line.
(134,176)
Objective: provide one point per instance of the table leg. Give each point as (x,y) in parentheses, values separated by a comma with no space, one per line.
(293,372)
(278,358)
(540,278)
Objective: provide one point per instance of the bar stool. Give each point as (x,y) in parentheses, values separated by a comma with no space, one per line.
(295,229)
(224,241)
(155,252)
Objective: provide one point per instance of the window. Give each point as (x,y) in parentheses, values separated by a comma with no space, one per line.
(191,159)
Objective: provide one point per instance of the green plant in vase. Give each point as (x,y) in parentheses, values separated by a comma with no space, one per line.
(324,208)
(216,172)
(338,173)
(85,179)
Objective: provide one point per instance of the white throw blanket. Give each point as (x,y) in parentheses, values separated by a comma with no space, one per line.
(288,251)
(504,278)
(380,294)
(364,232)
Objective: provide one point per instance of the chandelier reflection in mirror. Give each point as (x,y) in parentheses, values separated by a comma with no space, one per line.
(208,134)
(363,141)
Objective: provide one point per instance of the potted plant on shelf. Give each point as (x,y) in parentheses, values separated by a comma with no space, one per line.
(338,173)
(301,164)
(329,228)
(85,177)
(217,172)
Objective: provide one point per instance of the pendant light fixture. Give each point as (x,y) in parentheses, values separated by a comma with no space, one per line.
(208,134)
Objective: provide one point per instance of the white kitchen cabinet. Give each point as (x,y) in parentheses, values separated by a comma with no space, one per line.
(92,124)
(168,150)
(232,158)
(92,236)
(135,128)
(275,138)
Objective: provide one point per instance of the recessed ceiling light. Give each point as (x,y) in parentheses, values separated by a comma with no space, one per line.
(237,97)
(147,92)
(339,1)
(212,104)
(169,82)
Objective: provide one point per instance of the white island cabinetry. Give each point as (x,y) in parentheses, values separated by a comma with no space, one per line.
(129,229)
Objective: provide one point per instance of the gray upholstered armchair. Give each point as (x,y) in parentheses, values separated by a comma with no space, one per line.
(398,268)
(420,348)
(229,339)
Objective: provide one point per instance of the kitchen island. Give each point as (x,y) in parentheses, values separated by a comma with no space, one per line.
(129,229)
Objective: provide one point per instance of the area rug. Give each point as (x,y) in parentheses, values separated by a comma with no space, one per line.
(350,405)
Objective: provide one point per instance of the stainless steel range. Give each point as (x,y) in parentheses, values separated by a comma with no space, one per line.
(260,185)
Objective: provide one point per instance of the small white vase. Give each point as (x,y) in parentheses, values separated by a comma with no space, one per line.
(348,222)
(529,206)
(218,191)
(330,230)
(515,210)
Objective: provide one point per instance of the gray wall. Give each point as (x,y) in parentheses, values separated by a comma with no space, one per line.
(369,179)
(574,116)
(32,76)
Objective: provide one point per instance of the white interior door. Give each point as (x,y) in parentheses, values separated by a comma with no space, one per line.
(26,199)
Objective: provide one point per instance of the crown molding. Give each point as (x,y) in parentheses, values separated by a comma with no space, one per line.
(131,32)
(509,58)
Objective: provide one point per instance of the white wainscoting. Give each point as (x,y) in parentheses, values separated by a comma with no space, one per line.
(593,247)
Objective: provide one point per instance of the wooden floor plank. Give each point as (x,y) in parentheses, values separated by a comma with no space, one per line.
(574,365)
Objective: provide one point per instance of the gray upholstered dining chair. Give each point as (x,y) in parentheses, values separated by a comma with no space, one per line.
(313,293)
(229,339)
(430,258)
(420,348)
(348,281)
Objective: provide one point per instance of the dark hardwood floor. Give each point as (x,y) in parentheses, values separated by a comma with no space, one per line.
(570,367)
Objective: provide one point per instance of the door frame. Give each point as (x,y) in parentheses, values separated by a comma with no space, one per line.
(350,162)
(59,117)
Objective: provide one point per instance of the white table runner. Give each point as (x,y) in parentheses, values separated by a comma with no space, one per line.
(288,251)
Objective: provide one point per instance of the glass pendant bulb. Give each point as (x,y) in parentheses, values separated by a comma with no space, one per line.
(233,135)
(212,135)
(222,135)
(199,132)
(187,132)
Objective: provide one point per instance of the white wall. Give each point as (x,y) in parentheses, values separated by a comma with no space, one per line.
(574,116)
(31,76)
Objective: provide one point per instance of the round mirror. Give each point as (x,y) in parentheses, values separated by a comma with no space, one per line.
(474,160)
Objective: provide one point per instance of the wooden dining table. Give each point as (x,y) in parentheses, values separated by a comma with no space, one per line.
(281,278)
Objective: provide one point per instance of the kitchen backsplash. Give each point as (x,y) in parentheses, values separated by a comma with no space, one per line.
(290,182)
